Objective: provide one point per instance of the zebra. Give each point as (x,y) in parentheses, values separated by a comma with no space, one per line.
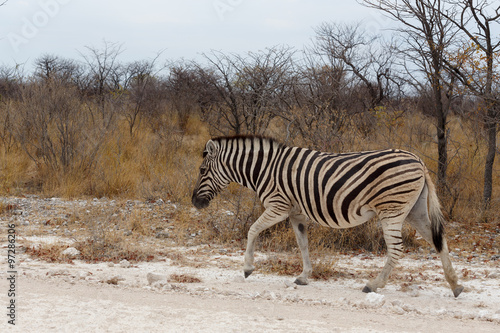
(340,190)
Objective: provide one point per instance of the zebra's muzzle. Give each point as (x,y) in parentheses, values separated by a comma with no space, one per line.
(200,203)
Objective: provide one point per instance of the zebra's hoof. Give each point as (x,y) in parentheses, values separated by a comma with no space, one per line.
(458,290)
(248,272)
(367,290)
(300,282)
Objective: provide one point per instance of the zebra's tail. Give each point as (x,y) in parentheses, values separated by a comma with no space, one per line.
(435,214)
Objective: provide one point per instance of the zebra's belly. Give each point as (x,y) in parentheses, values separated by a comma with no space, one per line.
(364,215)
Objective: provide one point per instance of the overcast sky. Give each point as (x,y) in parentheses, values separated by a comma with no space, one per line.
(183,29)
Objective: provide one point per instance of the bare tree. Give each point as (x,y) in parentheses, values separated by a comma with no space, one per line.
(10,82)
(365,57)
(264,81)
(320,93)
(103,66)
(427,35)
(50,67)
(104,77)
(225,109)
(251,90)
(476,66)
(51,128)
(190,89)
(141,84)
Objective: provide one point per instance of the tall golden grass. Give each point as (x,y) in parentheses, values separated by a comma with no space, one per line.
(162,162)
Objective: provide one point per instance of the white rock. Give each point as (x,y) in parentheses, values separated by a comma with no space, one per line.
(239,279)
(409,308)
(114,279)
(483,315)
(124,263)
(155,277)
(375,300)
(70,253)
(398,310)
(269,295)
(413,291)
(162,284)
(397,303)
(256,295)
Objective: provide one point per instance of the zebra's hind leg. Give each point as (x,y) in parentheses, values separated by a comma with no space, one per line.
(394,241)
(299,227)
(423,228)
(419,219)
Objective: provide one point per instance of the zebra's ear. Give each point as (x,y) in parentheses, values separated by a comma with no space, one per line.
(210,148)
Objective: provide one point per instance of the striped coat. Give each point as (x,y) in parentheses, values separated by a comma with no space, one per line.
(335,190)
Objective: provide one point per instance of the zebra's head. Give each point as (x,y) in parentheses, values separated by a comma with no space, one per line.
(212,178)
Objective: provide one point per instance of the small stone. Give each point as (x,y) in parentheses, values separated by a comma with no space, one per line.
(124,263)
(114,280)
(70,253)
(162,284)
(155,277)
(398,310)
(239,279)
(375,300)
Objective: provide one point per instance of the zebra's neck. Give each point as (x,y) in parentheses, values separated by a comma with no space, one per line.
(248,159)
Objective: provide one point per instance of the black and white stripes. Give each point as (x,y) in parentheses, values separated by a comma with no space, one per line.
(335,190)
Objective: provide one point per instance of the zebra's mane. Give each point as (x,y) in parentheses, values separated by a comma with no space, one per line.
(249,137)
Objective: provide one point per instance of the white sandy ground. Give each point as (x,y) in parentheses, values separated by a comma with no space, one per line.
(81,297)
(76,298)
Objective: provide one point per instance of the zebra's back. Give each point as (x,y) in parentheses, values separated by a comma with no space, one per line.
(345,190)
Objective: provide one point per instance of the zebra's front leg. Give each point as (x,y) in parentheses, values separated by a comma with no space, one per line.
(394,241)
(266,220)
(299,227)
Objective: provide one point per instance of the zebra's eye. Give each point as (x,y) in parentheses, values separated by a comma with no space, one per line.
(203,170)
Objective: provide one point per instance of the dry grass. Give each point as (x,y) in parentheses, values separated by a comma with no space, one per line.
(183,278)
(49,253)
(7,208)
(162,162)
(146,165)
(114,250)
(292,266)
